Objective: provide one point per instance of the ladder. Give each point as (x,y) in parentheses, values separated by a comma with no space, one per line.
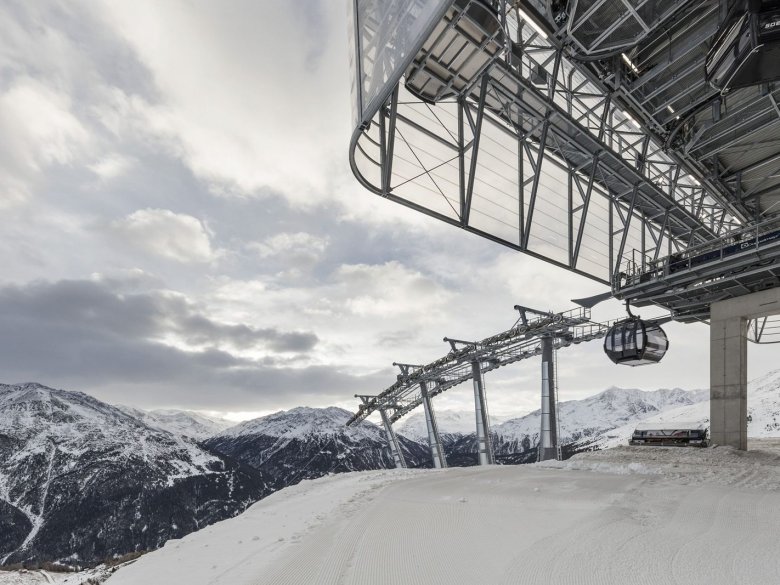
(558,451)
(488,438)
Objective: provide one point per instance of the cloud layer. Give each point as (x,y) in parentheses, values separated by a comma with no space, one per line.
(180,226)
(175,236)
(155,345)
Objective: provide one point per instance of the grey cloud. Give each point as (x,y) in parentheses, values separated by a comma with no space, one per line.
(104,337)
(44,36)
(315,23)
(86,336)
(91,67)
(200,329)
(397,339)
(98,306)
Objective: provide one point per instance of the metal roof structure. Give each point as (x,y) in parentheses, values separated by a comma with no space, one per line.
(582,132)
(653,54)
(612,138)
(687,282)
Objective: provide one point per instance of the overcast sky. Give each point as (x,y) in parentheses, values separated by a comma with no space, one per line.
(181,228)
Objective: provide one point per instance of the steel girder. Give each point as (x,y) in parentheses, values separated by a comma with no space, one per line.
(764,330)
(728,142)
(539,155)
(687,282)
(523,341)
(598,29)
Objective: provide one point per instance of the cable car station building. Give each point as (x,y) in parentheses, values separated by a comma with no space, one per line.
(634,143)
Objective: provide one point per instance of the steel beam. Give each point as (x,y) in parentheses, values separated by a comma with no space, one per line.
(392,440)
(484,445)
(466,205)
(434,440)
(548,435)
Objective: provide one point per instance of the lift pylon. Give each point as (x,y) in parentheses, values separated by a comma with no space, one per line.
(392,439)
(434,440)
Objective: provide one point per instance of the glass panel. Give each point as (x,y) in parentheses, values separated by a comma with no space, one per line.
(629,335)
(389,33)
(656,339)
(357,108)
(617,337)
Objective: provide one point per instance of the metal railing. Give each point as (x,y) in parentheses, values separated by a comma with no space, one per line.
(637,268)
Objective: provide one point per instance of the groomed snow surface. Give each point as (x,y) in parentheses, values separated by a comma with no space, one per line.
(627,515)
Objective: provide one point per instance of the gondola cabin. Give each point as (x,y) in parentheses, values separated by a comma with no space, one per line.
(672,434)
(635,342)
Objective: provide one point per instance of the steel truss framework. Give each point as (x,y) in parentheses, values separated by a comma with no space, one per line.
(538,154)
(523,341)
(686,283)
(733,140)
(575,148)
(591,140)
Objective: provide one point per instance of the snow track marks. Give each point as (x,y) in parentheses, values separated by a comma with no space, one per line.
(502,525)
(517,525)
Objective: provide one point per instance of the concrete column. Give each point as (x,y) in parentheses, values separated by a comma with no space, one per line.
(484,448)
(437,451)
(392,439)
(548,436)
(728,382)
(728,363)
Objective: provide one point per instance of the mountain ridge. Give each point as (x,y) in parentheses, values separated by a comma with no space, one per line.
(186,423)
(306,443)
(77,470)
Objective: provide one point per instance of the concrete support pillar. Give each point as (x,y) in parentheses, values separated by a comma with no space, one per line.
(437,451)
(548,436)
(728,382)
(484,447)
(392,439)
(728,363)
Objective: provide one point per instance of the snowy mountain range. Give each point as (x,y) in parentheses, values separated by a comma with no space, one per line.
(585,421)
(185,423)
(452,424)
(763,414)
(81,480)
(306,443)
(85,480)
(604,420)
(584,424)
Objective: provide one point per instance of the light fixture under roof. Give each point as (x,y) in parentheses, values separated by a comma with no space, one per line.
(630,63)
(524,15)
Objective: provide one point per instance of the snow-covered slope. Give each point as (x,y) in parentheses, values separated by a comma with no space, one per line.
(583,423)
(588,419)
(304,443)
(93,576)
(83,479)
(654,516)
(184,423)
(763,410)
(764,406)
(452,423)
